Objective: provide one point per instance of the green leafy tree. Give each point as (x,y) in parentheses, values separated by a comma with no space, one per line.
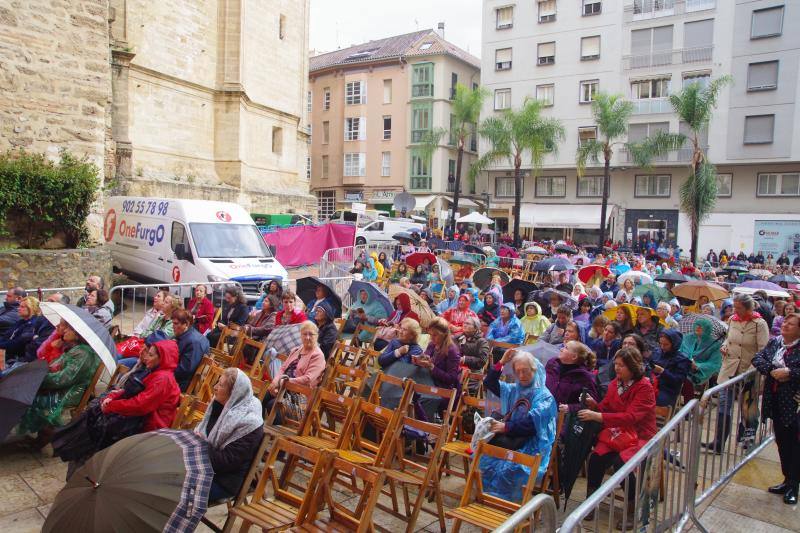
(515,134)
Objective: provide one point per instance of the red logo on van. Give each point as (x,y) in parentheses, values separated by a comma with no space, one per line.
(176,274)
(223,216)
(110,225)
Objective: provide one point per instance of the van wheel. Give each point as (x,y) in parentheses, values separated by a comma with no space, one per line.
(361,241)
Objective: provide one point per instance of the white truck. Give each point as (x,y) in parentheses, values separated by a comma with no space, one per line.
(167,240)
(381,230)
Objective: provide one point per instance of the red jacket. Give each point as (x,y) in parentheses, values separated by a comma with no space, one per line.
(635,409)
(298,317)
(160,397)
(203,315)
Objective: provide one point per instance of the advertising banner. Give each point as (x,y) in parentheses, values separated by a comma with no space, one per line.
(776,237)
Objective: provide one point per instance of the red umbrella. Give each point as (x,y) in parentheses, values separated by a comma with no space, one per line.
(590,271)
(418,258)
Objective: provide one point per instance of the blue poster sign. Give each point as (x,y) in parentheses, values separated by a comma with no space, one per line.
(776,237)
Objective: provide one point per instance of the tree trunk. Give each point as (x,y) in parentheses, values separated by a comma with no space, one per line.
(604,205)
(456,186)
(517,202)
(694,218)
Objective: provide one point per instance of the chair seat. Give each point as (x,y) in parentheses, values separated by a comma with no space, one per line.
(355,457)
(325,524)
(317,443)
(402,476)
(457,447)
(479,515)
(267,514)
(280,431)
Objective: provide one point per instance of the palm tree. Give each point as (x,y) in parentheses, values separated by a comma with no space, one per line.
(465,109)
(512,135)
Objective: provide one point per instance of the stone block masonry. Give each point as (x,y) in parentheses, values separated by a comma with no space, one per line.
(32,269)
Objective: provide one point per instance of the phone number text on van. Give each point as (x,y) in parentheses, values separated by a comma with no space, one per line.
(142,233)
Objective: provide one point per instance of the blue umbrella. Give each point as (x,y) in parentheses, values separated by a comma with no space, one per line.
(374,292)
(621,268)
(553,263)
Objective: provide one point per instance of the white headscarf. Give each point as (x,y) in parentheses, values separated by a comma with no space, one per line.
(240,416)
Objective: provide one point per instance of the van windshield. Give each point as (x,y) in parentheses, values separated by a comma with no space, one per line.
(228,240)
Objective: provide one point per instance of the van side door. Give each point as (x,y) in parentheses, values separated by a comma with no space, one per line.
(180,265)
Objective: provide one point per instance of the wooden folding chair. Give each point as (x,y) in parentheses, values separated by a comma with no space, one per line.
(338,412)
(88,394)
(458,440)
(446,397)
(285,508)
(189,413)
(228,349)
(368,358)
(472,383)
(339,517)
(345,380)
(257,366)
(372,330)
(484,510)
(199,375)
(550,483)
(372,433)
(345,354)
(382,379)
(289,411)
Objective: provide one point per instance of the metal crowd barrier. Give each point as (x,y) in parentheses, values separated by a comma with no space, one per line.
(42,293)
(541,502)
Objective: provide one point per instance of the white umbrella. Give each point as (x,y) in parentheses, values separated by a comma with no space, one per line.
(475,218)
(93,332)
(772,293)
(638,277)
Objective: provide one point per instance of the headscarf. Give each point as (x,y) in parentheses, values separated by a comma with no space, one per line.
(449,302)
(240,416)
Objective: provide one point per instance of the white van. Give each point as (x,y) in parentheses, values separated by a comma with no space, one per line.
(381,230)
(164,240)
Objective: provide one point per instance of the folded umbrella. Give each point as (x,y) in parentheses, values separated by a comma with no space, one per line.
(577,442)
(517,284)
(593,274)
(483,277)
(93,332)
(306,291)
(694,289)
(417,258)
(18,388)
(375,294)
(553,263)
(156,481)
(418,305)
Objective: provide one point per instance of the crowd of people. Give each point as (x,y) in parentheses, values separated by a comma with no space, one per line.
(611,350)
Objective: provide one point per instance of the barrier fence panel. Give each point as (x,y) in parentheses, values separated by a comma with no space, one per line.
(544,505)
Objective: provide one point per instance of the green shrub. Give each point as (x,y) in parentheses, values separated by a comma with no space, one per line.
(40,199)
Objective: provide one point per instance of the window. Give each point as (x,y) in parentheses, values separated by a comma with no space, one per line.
(546,53)
(655,88)
(179,236)
(355,93)
(422,80)
(387,128)
(387,91)
(546,94)
(547,10)
(505,17)
(759,129)
(326,204)
(588,89)
(308,167)
(452,131)
(588,133)
(420,121)
(550,186)
(386,164)
(592,7)
(779,184)
(308,102)
(656,186)
(504,187)
(277,140)
(325,167)
(451,176)
(724,185)
(698,40)
(590,48)
(326,132)
(282,27)
(453,83)
(762,76)
(502,59)
(766,22)
(590,187)
(502,99)
(651,47)
(355,129)
(354,164)
(326,98)
(426,46)
(419,166)
(701,78)
(639,132)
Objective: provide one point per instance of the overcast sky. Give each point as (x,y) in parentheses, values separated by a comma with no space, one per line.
(340,23)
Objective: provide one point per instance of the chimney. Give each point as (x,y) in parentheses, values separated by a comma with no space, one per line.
(441,29)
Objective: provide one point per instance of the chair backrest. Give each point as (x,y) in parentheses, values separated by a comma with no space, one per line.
(292,402)
(372,330)
(374,431)
(472,383)
(338,411)
(663,414)
(367,358)
(260,387)
(89,392)
(466,402)
(435,436)
(346,380)
(256,349)
(189,413)
(448,396)
(206,391)
(345,354)
(118,373)
(199,375)
(550,482)
(384,379)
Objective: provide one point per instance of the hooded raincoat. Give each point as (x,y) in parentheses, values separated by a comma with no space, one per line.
(703,351)
(376,264)
(456,317)
(676,368)
(510,331)
(534,325)
(370,273)
(449,302)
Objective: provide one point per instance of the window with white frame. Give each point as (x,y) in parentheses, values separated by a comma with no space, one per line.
(387,128)
(355,93)
(326,98)
(502,59)
(587,133)
(654,88)
(326,132)
(355,129)
(504,187)
(724,185)
(652,186)
(588,89)
(759,129)
(308,102)
(547,11)
(551,186)
(590,48)
(355,164)
(701,78)
(420,166)
(422,80)
(386,164)
(786,184)
(546,53)
(504,17)
(325,167)
(590,187)
(326,204)
(591,7)
(387,91)
(308,167)
(546,94)
(766,22)
(762,76)
(502,99)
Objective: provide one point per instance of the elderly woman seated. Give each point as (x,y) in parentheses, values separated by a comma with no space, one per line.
(100,307)
(474,348)
(233,426)
(526,424)
(405,346)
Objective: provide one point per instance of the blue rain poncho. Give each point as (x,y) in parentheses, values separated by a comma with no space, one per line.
(505,479)
(510,331)
(449,302)
(370,273)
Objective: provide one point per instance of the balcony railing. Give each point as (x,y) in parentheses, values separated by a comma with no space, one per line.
(651,106)
(684,155)
(421,183)
(650,9)
(701,54)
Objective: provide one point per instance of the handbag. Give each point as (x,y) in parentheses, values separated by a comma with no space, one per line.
(131,347)
(618,439)
(387,333)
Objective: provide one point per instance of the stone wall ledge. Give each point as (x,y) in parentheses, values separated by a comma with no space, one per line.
(53,268)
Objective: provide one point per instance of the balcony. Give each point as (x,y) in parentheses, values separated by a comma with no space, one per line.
(421,183)
(451,187)
(701,54)
(683,156)
(651,106)
(652,9)
(354,180)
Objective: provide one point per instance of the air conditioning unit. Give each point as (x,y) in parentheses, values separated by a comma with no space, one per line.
(547,60)
(547,18)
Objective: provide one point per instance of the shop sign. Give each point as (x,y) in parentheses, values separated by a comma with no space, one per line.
(354,196)
(383,197)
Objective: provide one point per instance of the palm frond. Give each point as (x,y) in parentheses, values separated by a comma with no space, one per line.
(466,108)
(588,151)
(695,104)
(699,194)
(611,113)
(644,152)
(430,142)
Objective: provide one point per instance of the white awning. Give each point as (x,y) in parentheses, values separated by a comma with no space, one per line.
(578,216)
(462,202)
(423,201)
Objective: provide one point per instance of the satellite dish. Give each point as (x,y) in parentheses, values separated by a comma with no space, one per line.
(404,202)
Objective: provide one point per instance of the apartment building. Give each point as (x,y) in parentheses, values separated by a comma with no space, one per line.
(370,106)
(564,51)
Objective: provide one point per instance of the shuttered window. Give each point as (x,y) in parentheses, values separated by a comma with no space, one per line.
(762,76)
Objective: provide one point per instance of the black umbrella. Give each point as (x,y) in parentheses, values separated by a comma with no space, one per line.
(578,440)
(736,266)
(403,236)
(565,248)
(553,263)
(472,249)
(17,390)
(517,284)
(784,278)
(307,288)
(483,277)
(671,277)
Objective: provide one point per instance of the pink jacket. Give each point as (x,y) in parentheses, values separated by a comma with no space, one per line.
(309,369)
